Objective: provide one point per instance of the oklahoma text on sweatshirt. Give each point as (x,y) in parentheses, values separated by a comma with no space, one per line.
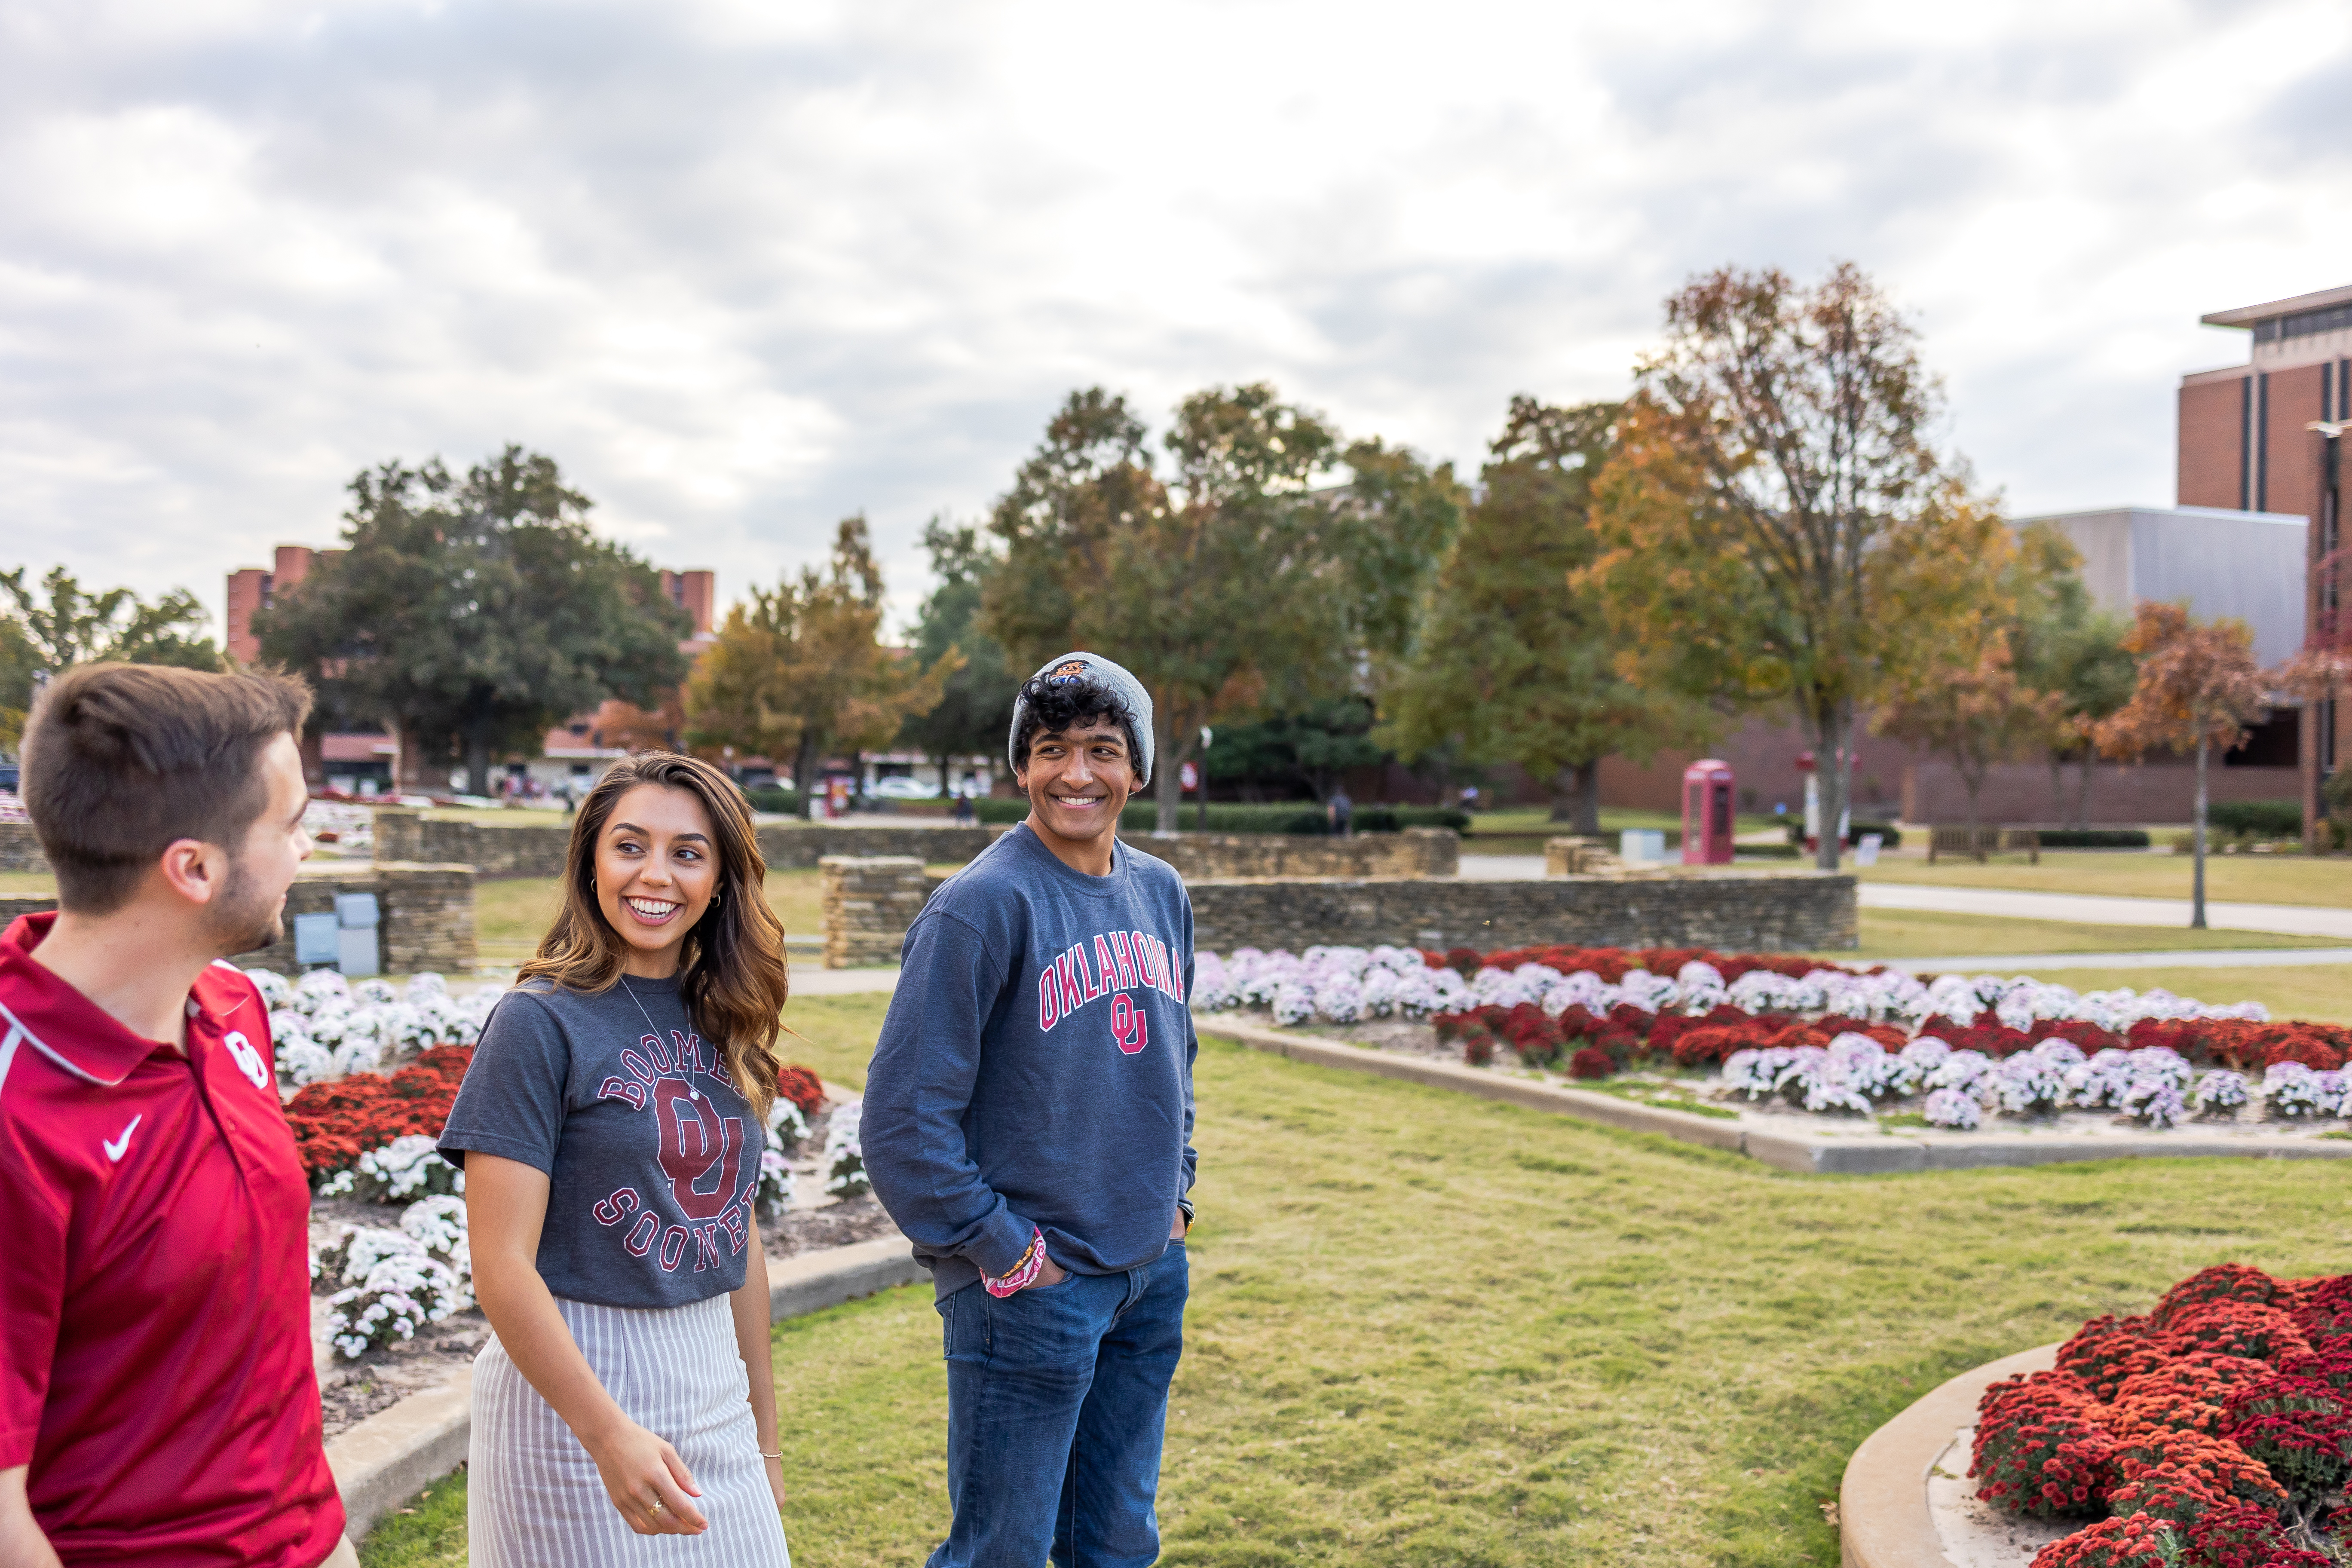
(1036,1066)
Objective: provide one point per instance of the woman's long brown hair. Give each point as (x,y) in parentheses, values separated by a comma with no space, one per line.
(732,973)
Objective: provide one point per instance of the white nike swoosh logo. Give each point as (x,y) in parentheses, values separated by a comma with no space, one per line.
(117,1147)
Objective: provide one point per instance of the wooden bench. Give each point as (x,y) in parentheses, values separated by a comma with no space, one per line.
(1979,843)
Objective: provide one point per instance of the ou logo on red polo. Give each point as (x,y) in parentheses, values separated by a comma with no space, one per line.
(1130,1026)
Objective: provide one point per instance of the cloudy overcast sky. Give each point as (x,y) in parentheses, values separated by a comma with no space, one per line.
(743,269)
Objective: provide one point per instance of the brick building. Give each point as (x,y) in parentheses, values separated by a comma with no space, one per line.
(2266,435)
(372,761)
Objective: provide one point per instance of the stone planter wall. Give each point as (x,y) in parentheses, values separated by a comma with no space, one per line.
(425,916)
(869,903)
(1206,857)
(1793,911)
(20,850)
(792,848)
(537,849)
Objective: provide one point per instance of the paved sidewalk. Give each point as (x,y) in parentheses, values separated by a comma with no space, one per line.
(2086,908)
(2199,958)
(809,979)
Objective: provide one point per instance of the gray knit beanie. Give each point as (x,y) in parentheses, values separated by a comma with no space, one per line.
(1098,672)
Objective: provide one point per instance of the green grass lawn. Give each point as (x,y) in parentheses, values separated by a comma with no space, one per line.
(1431,1330)
(1924,933)
(1523,831)
(511,914)
(2234,878)
(28,884)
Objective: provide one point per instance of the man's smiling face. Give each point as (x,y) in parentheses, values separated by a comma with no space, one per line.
(1078,779)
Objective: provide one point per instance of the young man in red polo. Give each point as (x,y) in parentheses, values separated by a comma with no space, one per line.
(157,1399)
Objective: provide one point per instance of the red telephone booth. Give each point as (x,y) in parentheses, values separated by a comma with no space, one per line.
(1707,812)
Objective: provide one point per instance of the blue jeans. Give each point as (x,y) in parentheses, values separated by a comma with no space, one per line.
(1057,1400)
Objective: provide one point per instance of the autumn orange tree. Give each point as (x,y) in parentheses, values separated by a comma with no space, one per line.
(799,670)
(1777,528)
(2199,688)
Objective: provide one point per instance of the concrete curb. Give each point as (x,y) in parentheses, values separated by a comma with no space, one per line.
(393,1454)
(1880,1155)
(799,1286)
(1884,1521)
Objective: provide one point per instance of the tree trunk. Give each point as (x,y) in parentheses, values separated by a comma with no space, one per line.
(1832,768)
(1562,790)
(2057,787)
(1588,798)
(478,757)
(2197,898)
(803,776)
(1973,783)
(2083,791)
(1166,772)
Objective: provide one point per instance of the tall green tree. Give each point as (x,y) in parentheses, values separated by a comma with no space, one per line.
(474,611)
(1313,746)
(1515,664)
(975,706)
(1270,569)
(46,627)
(60,623)
(1778,528)
(799,670)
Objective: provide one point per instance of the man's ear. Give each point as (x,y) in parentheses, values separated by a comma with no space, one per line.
(194,868)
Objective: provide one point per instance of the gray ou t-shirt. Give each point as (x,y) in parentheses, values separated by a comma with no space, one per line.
(652,1156)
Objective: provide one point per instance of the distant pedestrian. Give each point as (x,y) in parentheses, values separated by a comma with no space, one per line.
(1028,1124)
(611,1127)
(1469,797)
(1342,814)
(965,813)
(157,1399)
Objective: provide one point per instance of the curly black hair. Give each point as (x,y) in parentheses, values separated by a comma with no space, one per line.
(1054,707)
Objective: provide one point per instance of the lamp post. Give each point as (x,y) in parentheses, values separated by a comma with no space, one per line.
(2323,605)
(1201,818)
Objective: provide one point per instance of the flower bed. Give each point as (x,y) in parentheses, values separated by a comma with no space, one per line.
(370,1134)
(1952,1052)
(2214,1431)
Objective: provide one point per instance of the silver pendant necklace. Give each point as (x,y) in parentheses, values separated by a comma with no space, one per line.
(648,1017)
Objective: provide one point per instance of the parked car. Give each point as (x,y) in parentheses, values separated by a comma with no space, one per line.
(904,789)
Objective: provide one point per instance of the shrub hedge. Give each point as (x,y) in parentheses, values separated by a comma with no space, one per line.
(2257,818)
(2095,838)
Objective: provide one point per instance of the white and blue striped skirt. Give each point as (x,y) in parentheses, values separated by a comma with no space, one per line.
(534,1499)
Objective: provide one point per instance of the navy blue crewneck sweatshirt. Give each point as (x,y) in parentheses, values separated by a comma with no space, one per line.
(1036,1066)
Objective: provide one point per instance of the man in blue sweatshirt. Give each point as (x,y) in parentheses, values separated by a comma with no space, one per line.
(1028,1123)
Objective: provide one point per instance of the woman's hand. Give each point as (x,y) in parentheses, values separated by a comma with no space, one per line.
(775,1479)
(647,1482)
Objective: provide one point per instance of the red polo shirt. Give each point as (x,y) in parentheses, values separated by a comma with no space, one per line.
(155,1363)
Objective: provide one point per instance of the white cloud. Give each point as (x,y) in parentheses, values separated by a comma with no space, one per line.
(745,268)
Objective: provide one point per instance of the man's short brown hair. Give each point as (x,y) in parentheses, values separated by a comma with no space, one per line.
(121,760)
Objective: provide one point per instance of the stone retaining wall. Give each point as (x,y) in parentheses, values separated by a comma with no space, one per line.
(537,849)
(869,903)
(1205,856)
(20,850)
(1791,912)
(797,848)
(425,916)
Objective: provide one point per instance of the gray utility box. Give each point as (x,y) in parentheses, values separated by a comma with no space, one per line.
(345,940)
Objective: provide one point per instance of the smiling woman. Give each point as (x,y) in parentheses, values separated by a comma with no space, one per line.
(610,1127)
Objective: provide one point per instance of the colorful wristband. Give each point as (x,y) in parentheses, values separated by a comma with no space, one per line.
(1031,1262)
